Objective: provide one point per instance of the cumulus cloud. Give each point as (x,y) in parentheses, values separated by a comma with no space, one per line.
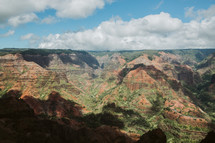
(200,14)
(49,20)
(32,39)
(159,31)
(22,19)
(76,8)
(15,9)
(9,33)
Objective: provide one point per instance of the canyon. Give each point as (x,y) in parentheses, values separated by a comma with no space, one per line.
(120,95)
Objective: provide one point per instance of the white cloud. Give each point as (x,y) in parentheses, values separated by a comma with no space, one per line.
(14,9)
(49,20)
(110,1)
(32,39)
(9,33)
(200,14)
(27,36)
(189,12)
(207,13)
(151,32)
(22,19)
(76,8)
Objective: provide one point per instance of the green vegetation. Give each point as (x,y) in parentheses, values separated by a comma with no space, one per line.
(5,90)
(116,116)
(128,55)
(11,51)
(43,52)
(104,118)
(204,91)
(121,104)
(194,54)
(176,132)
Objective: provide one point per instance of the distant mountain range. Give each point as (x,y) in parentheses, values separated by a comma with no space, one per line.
(126,92)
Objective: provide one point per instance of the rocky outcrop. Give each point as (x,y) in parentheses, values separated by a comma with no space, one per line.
(12,107)
(154,136)
(150,70)
(137,79)
(18,124)
(55,105)
(18,73)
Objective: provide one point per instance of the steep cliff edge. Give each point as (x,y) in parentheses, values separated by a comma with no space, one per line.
(44,57)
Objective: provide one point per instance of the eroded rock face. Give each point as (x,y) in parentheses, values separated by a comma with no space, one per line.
(171,65)
(154,136)
(17,73)
(134,71)
(145,74)
(44,59)
(187,75)
(137,79)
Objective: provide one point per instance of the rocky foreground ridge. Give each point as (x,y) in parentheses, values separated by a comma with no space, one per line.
(20,125)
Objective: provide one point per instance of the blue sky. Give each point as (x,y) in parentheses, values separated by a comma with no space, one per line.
(107,24)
